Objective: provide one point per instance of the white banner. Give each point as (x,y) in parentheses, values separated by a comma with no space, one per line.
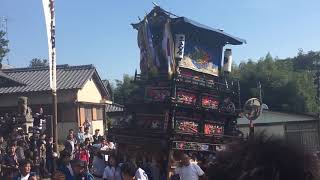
(48,8)
(179,46)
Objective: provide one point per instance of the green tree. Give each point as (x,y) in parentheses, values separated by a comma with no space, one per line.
(3,46)
(287,84)
(123,88)
(306,61)
(37,62)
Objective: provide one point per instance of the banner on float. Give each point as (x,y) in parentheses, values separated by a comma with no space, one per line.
(179,46)
(48,9)
(201,58)
(227,61)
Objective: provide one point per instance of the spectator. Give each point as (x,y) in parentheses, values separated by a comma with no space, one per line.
(96,137)
(76,150)
(262,158)
(130,171)
(42,154)
(112,171)
(70,144)
(102,145)
(25,170)
(187,170)
(64,167)
(80,135)
(82,154)
(87,134)
(58,175)
(10,163)
(111,145)
(80,170)
(42,139)
(86,124)
(34,177)
(20,150)
(3,145)
(98,165)
(49,154)
(71,131)
(89,148)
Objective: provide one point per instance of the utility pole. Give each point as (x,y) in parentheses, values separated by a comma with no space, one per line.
(260,91)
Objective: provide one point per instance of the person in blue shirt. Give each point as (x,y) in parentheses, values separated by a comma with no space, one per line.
(64,166)
(80,169)
(80,135)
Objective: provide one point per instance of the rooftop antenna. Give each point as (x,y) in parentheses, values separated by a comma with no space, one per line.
(155,4)
(4,27)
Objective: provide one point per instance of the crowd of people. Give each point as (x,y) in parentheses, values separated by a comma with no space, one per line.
(83,156)
(89,153)
(20,153)
(87,156)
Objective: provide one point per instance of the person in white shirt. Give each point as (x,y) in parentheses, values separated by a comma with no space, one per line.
(141,174)
(25,170)
(130,171)
(112,171)
(187,170)
(87,134)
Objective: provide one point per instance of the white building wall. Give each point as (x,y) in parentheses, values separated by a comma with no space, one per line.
(90,93)
(63,129)
(270,130)
(98,124)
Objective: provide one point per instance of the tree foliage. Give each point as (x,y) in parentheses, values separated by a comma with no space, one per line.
(3,46)
(123,88)
(287,84)
(37,62)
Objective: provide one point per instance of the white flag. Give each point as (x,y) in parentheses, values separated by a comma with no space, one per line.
(179,45)
(48,8)
(227,62)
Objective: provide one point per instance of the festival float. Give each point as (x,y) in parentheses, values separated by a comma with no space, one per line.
(185,99)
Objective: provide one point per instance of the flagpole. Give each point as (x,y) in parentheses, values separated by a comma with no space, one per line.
(55,120)
(49,14)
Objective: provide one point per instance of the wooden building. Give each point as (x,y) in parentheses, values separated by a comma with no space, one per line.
(299,129)
(81,94)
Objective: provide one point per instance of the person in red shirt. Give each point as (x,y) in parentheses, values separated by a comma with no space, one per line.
(83,154)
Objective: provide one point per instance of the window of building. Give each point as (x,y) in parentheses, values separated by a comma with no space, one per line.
(99,113)
(88,113)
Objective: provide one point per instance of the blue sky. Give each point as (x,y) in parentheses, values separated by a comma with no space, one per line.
(98,31)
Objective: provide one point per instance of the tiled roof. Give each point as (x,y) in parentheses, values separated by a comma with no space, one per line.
(37,79)
(114,108)
(10,79)
(106,83)
(270,117)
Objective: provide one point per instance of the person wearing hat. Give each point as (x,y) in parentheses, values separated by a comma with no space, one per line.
(64,166)
(80,170)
